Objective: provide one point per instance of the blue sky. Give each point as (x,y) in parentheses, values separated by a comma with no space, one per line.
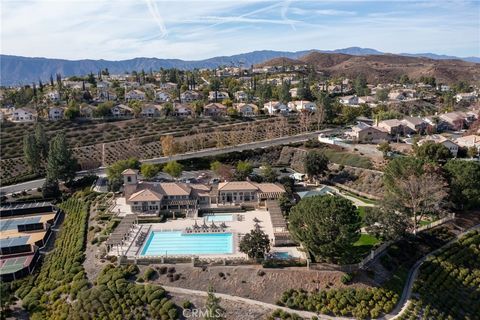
(122,29)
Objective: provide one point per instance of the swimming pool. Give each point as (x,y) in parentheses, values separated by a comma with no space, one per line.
(219,217)
(161,243)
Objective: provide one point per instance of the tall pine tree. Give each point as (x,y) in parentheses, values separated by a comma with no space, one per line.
(61,165)
(30,151)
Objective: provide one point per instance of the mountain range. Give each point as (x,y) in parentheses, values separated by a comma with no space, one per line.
(17,70)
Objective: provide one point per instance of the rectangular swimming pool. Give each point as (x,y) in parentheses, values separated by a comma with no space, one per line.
(160,243)
(219,217)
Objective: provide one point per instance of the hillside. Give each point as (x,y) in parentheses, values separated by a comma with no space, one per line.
(380,68)
(25,70)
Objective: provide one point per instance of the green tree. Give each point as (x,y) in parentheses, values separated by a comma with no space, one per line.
(433,152)
(215,86)
(173,168)
(50,189)
(41,140)
(360,85)
(31,153)
(255,244)
(284,93)
(315,163)
(385,222)
(114,172)
(103,109)
(268,173)
(61,165)
(327,226)
(472,152)
(149,170)
(243,170)
(464,181)
(214,310)
(382,95)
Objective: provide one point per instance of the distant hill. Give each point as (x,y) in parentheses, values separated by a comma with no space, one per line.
(388,67)
(24,70)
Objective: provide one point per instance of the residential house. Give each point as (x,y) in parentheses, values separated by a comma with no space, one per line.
(162,96)
(106,95)
(396,95)
(456,120)
(415,123)
(246,109)
(335,89)
(436,138)
(135,95)
(53,95)
(241,96)
(221,95)
(443,88)
(395,127)
(469,141)
(436,124)
(24,115)
(150,111)
(181,110)
(349,100)
(366,100)
(103,84)
(365,133)
(168,86)
(214,110)
(55,113)
(468,97)
(121,110)
(274,107)
(302,105)
(189,96)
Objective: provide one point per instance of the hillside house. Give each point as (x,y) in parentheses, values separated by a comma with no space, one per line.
(302,105)
(395,127)
(86,111)
(365,133)
(274,107)
(150,111)
(162,96)
(221,95)
(189,96)
(241,96)
(55,113)
(181,110)
(415,123)
(469,141)
(214,110)
(456,120)
(349,100)
(436,138)
(135,95)
(121,110)
(467,97)
(246,109)
(168,86)
(53,96)
(24,115)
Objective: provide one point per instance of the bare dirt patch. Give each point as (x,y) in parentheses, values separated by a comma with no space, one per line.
(245,281)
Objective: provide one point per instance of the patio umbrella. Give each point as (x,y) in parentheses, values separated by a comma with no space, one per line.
(213,225)
(256,220)
(223,225)
(195,226)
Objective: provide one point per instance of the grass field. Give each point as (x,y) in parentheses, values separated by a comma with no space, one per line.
(366,240)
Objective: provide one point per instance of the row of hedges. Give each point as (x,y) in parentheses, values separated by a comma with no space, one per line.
(448,285)
(360,303)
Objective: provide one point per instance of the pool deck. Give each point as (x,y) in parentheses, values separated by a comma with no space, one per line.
(238,227)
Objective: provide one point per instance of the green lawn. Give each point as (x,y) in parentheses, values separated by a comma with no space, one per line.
(366,240)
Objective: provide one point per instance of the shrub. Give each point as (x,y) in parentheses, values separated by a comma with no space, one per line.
(346,278)
(186,304)
(260,273)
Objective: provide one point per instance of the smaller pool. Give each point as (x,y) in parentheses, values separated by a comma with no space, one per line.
(219,217)
(281,255)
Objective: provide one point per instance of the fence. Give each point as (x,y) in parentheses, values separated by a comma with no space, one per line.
(433,224)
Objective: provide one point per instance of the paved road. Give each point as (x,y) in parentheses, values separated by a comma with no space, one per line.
(201,153)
